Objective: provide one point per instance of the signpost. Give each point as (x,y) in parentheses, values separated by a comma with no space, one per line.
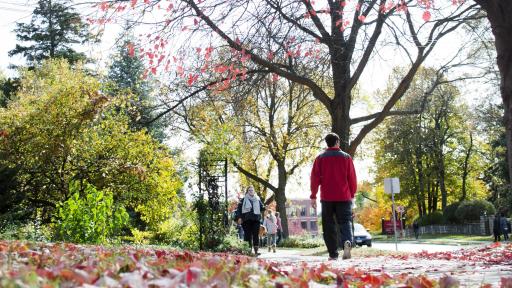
(392,186)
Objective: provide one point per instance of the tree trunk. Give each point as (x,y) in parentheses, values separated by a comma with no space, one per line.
(340,104)
(280,196)
(429,197)
(441,183)
(341,126)
(435,194)
(498,13)
(465,171)
(421,182)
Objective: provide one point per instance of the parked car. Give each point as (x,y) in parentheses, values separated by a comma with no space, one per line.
(361,236)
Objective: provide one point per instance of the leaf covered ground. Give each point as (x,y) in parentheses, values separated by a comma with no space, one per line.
(68,265)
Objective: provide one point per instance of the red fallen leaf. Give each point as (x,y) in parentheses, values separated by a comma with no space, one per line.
(275,77)
(361,18)
(192,274)
(372,280)
(134,2)
(45,273)
(506,282)
(495,245)
(419,282)
(160,253)
(71,275)
(426,16)
(448,282)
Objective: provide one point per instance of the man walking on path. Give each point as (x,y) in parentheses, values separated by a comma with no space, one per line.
(334,172)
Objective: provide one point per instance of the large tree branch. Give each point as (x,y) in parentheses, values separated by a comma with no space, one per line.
(381,18)
(378,114)
(399,92)
(357,23)
(254,177)
(199,90)
(294,22)
(316,20)
(318,92)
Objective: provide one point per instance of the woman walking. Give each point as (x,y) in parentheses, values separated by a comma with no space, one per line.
(249,216)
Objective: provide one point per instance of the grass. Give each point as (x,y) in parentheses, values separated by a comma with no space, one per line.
(438,238)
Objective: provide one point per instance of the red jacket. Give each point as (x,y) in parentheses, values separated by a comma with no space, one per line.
(334,172)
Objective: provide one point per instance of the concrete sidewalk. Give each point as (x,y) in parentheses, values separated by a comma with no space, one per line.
(470,274)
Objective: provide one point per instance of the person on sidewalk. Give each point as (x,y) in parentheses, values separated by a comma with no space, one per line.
(504,227)
(416,229)
(333,171)
(270,224)
(496,227)
(249,216)
(279,228)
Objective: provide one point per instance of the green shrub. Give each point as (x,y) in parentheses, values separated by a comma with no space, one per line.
(470,211)
(233,245)
(433,218)
(32,231)
(90,219)
(179,230)
(305,241)
(449,213)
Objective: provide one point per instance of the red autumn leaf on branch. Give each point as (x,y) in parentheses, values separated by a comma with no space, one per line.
(191,79)
(131,49)
(426,16)
(104,6)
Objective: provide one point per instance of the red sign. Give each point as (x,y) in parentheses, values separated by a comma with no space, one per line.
(388,226)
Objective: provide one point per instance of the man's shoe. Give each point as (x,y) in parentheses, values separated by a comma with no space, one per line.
(332,258)
(269,248)
(346,250)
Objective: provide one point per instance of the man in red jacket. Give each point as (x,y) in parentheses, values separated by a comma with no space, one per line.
(334,172)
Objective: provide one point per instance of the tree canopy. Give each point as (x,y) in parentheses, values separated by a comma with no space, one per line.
(53,30)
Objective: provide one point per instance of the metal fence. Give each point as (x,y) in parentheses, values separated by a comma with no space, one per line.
(465,229)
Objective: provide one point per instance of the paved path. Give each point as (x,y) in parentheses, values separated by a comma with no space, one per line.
(469,274)
(413,247)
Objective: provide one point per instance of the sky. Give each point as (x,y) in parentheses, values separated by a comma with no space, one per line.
(13,11)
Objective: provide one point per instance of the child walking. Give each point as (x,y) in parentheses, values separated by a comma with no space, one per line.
(270,224)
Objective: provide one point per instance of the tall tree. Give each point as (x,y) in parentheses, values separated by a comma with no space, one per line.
(282,37)
(60,128)
(495,175)
(55,27)
(425,150)
(273,128)
(498,14)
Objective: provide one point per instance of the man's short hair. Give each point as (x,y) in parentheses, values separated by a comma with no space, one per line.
(331,139)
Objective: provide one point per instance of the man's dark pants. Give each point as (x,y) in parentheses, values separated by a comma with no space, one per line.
(336,213)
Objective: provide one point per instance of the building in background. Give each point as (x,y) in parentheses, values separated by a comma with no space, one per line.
(302,218)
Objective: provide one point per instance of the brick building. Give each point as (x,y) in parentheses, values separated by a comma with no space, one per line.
(302,218)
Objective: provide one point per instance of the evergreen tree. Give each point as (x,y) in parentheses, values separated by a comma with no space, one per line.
(126,75)
(54,28)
